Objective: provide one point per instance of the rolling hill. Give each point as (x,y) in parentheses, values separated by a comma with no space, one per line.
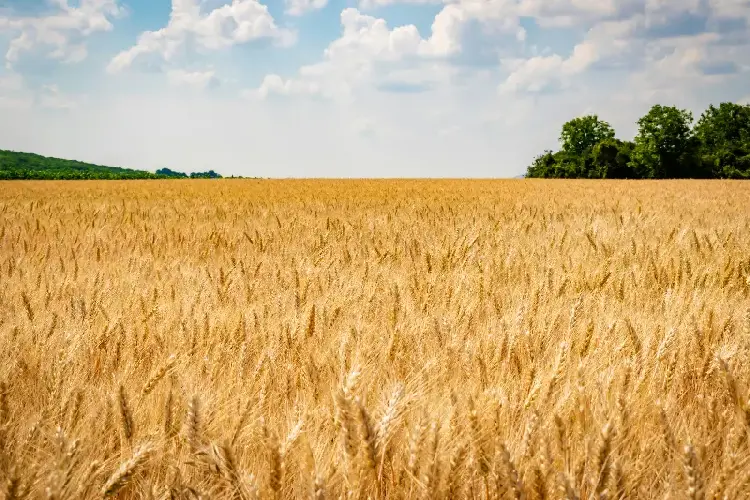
(16,165)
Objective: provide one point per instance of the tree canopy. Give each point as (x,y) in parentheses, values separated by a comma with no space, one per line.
(205,175)
(171,173)
(666,146)
(724,136)
(581,134)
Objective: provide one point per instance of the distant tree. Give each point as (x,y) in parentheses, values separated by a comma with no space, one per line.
(580,135)
(15,165)
(165,172)
(610,159)
(724,136)
(578,139)
(542,166)
(205,175)
(665,146)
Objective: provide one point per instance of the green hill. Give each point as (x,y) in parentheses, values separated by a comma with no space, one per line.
(14,165)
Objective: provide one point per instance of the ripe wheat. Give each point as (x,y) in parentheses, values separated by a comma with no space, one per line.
(375,339)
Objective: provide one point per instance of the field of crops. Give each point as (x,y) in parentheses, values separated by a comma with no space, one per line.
(375,339)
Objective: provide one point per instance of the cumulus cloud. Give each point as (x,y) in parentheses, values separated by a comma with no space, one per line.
(497,16)
(548,12)
(373,4)
(365,41)
(656,41)
(276,85)
(239,22)
(730,8)
(300,7)
(539,72)
(61,33)
(370,52)
(194,79)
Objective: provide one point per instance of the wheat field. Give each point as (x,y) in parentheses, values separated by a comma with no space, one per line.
(375,339)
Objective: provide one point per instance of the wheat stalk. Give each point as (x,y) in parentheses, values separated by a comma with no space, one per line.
(122,476)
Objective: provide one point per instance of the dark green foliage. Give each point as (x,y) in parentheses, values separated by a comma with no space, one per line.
(724,137)
(205,175)
(581,134)
(666,147)
(610,159)
(165,172)
(543,166)
(589,151)
(14,165)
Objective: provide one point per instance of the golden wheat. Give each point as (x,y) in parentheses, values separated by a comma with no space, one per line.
(375,339)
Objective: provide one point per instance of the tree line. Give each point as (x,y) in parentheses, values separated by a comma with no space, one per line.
(667,146)
(16,165)
(171,174)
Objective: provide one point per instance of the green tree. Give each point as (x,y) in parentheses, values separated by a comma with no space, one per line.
(542,166)
(581,134)
(724,136)
(665,146)
(205,175)
(170,173)
(559,165)
(610,159)
(578,138)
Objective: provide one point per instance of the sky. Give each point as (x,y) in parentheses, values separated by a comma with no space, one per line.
(352,88)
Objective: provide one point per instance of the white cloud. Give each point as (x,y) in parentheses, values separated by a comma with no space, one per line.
(567,13)
(369,38)
(535,73)
(350,59)
(731,8)
(239,22)
(72,54)
(550,12)
(61,32)
(683,60)
(499,16)
(300,7)
(539,72)
(194,79)
(649,44)
(369,52)
(372,4)
(274,84)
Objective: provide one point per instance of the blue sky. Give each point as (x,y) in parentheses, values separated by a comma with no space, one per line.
(352,88)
